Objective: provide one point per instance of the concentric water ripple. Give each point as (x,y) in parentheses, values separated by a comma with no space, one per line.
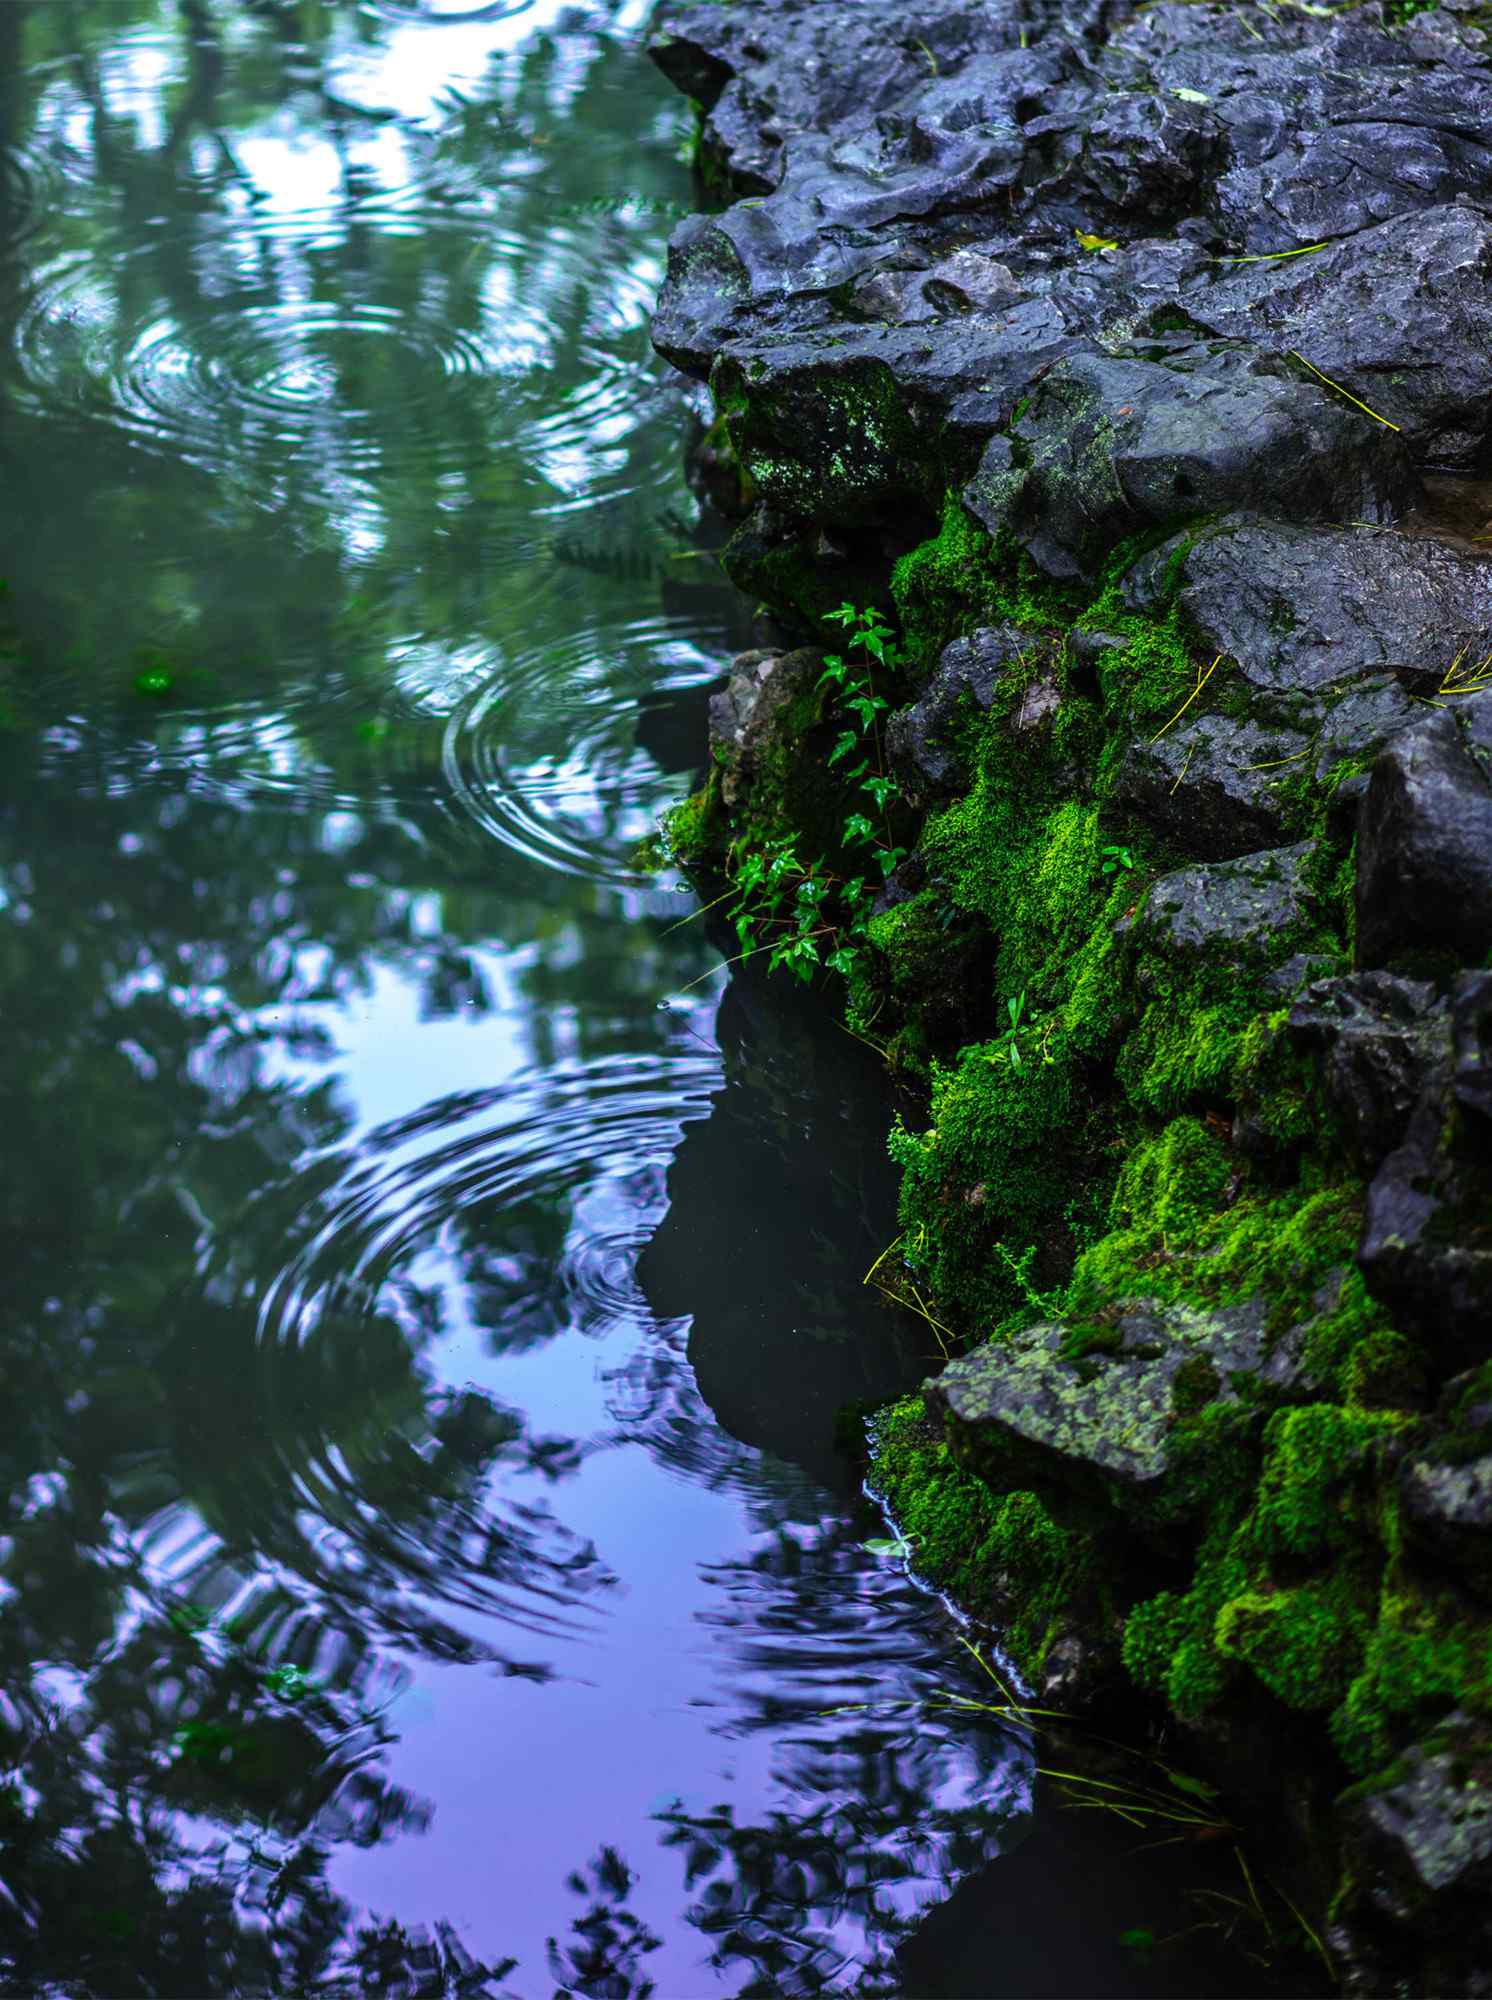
(461,1212)
(544,756)
(303,378)
(455,1173)
(453,12)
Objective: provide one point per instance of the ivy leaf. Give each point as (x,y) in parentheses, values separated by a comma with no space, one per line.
(858,827)
(843,745)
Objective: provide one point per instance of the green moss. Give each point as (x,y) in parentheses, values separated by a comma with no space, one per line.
(1197,1383)
(692,830)
(1428,1653)
(1302,1644)
(1315,1493)
(962,577)
(823,442)
(1030,865)
(1174,1181)
(1169,1640)
(997,1166)
(1001,1555)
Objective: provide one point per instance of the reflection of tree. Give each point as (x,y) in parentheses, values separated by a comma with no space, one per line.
(881,1796)
(170,1801)
(603,1958)
(778,1203)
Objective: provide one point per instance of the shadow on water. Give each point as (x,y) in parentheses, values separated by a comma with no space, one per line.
(779,1202)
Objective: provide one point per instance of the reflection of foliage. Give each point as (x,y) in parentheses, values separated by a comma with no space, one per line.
(604,1961)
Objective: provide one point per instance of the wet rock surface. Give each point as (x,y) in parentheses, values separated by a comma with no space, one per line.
(1239,908)
(1220,787)
(1424,854)
(922,739)
(1427,1238)
(1377,1038)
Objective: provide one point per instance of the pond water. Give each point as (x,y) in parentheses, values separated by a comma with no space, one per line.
(426,1299)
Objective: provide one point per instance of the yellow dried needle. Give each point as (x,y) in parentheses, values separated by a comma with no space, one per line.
(1472,681)
(1275,256)
(1355,400)
(1202,680)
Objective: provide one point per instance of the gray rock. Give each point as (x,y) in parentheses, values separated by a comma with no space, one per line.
(1095,1416)
(1471,1052)
(920,739)
(1400,315)
(1418,1840)
(1115,445)
(1217,787)
(1357,725)
(746,712)
(1300,611)
(1240,909)
(1424,850)
(1426,1248)
(1445,1507)
(1379,1041)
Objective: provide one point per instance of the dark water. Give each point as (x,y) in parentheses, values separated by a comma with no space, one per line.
(404,1588)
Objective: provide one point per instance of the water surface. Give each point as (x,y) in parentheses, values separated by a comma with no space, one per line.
(408,1585)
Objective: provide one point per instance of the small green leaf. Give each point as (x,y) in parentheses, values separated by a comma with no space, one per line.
(1190,96)
(1137,1940)
(1196,1788)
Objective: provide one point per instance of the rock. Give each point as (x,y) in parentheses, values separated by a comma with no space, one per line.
(1378,1040)
(1355,726)
(1218,787)
(1400,315)
(920,740)
(1115,445)
(1445,1507)
(1300,611)
(1424,850)
(1094,1409)
(749,709)
(1471,1048)
(1121,159)
(1417,1852)
(1238,909)
(1426,1248)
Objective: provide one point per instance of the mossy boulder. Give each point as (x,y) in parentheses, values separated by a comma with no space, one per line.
(1416,1906)
(1250,908)
(1100,1409)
